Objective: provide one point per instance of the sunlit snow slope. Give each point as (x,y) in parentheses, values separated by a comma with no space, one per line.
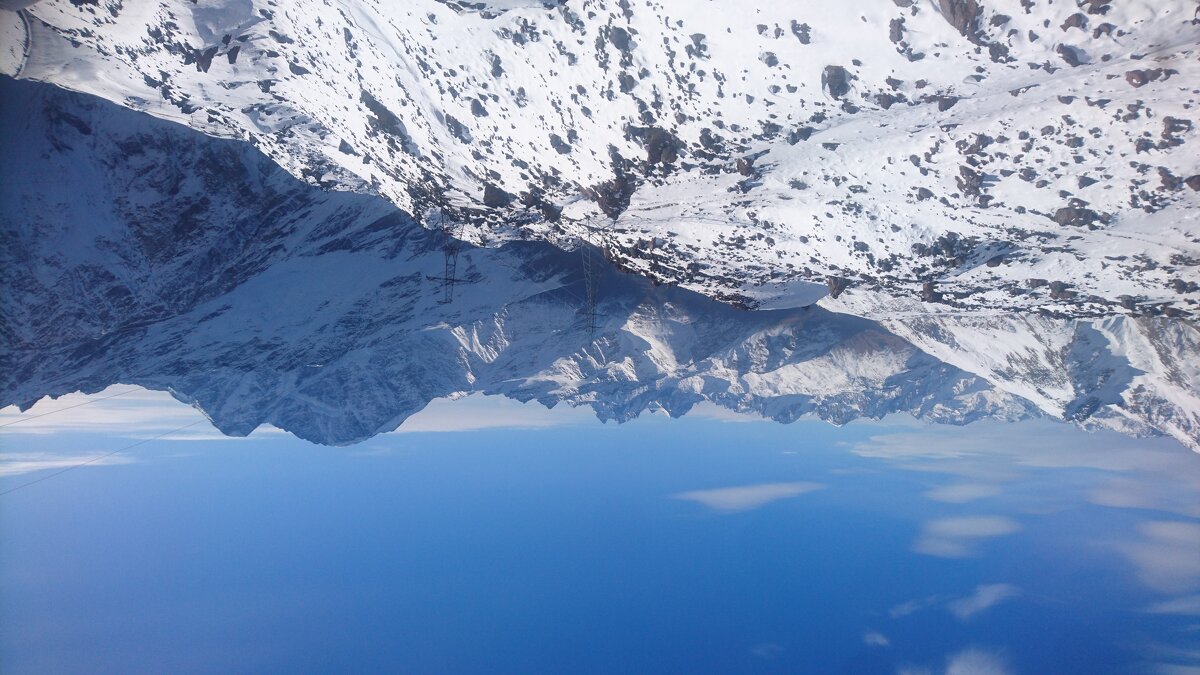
(996,154)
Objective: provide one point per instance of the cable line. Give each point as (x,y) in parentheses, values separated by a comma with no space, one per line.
(98,458)
(77,405)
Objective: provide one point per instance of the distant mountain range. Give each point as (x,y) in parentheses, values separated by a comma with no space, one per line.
(136,250)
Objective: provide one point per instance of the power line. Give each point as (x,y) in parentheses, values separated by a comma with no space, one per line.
(77,405)
(98,458)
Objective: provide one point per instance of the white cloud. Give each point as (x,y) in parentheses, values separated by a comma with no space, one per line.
(974,661)
(970,661)
(875,639)
(746,497)
(1172,669)
(1186,604)
(956,537)
(1167,659)
(1167,556)
(1043,444)
(1149,473)
(17,463)
(961,493)
(767,650)
(982,598)
(985,597)
(913,606)
(1161,495)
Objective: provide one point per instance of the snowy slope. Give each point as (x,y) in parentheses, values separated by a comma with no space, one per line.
(1011,154)
(138,251)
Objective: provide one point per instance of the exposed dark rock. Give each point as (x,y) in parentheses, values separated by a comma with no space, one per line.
(1181,286)
(384,120)
(1173,127)
(801,134)
(1168,180)
(802,31)
(458,129)
(662,147)
(886,101)
(836,81)
(963,15)
(613,196)
(495,197)
(969,181)
(619,37)
(536,199)
(560,146)
(1096,6)
(1076,20)
(1072,55)
(1137,78)
(1076,217)
(1060,290)
(204,59)
(836,285)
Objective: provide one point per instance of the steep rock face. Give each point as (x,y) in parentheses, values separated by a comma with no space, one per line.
(749,155)
(328,314)
(130,221)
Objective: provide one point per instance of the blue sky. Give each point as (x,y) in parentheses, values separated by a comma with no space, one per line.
(537,540)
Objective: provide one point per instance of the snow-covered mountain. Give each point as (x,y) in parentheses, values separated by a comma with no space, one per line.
(138,251)
(995,154)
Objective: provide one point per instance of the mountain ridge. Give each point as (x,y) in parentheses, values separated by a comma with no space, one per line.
(326,314)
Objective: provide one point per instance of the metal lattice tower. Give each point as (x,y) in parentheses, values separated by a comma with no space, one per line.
(451,245)
(590,266)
